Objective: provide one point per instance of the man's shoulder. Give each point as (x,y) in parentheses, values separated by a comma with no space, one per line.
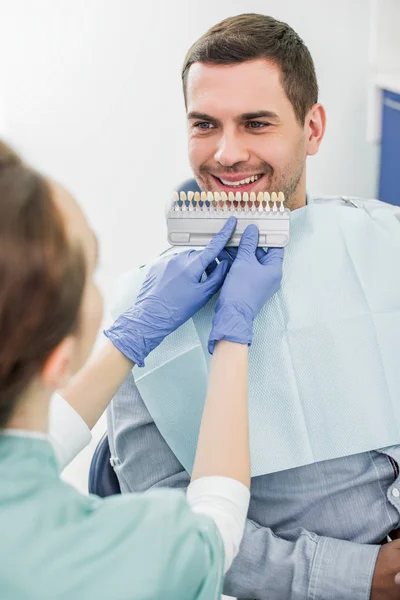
(368,204)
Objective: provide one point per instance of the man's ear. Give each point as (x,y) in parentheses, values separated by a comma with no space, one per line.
(315,125)
(57,369)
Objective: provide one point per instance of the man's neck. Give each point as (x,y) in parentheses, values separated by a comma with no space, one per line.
(297,202)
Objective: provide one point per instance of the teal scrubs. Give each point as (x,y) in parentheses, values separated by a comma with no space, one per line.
(57,544)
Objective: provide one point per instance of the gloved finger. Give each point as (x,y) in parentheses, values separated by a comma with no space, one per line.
(274,255)
(248,242)
(217,277)
(215,246)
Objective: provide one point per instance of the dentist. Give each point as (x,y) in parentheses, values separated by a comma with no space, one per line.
(56,543)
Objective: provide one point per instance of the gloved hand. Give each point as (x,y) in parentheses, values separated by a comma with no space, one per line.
(253,278)
(171,293)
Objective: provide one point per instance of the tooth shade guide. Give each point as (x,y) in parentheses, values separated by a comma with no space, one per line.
(245,202)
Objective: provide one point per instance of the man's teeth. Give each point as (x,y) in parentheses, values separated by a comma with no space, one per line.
(242,182)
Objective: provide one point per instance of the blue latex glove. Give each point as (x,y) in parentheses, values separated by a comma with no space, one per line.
(253,278)
(171,293)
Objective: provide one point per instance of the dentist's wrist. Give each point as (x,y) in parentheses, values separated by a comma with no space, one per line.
(233,322)
(133,337)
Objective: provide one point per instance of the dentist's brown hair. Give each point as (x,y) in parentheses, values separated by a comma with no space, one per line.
(42,277)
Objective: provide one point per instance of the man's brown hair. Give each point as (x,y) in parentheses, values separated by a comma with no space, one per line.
(42,277)
(251,37)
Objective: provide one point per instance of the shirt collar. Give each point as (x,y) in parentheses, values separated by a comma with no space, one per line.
(25,433)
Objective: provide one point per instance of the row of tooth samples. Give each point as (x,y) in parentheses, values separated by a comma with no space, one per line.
(209,201)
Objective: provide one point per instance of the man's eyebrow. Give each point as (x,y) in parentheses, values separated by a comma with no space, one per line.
(201,117)
(258,115)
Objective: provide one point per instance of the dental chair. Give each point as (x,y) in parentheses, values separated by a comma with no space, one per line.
(102,478)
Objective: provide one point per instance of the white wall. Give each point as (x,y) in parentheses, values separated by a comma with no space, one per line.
(384,35)
(91,94)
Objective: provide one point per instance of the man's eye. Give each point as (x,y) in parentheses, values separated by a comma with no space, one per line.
(257,125)
(203,125)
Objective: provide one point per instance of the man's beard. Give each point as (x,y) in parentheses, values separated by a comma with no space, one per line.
(287,183)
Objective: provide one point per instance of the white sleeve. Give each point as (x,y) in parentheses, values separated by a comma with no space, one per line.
(226,501)
(68,432)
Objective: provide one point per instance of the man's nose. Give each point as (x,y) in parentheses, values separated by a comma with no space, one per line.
(231,150)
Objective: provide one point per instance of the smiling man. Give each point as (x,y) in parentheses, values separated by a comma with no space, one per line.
(314,532)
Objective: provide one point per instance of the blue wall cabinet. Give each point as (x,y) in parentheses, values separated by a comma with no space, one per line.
(389,177)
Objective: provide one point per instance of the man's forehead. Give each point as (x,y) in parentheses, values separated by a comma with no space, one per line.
(242,88)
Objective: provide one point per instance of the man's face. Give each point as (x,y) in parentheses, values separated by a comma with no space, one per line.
(241,125)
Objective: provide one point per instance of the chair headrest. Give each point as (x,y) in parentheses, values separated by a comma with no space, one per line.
(188,185)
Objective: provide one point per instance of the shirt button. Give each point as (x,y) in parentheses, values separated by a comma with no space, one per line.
(395,492)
